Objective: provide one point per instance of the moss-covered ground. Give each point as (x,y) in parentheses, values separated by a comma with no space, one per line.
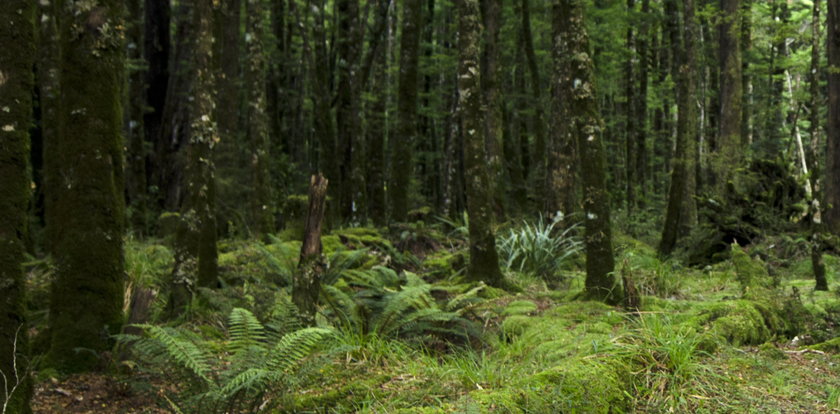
(729,338)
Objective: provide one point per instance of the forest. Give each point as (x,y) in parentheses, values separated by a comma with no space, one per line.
(419,206)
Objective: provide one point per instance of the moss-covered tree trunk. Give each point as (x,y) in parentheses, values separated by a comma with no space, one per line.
(306,285)
(256,73)
(562,178)
(832,168)
(631,124)
(195,239)
(727,154)
(491,11)
(538,174)
(17,57)
(375,136)
(587,127)
(404,137)
(815,103)
(681,213)
(347,113)
(84,170)
(484,260)
(136,186)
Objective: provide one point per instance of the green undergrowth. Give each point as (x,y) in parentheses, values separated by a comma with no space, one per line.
(409,335)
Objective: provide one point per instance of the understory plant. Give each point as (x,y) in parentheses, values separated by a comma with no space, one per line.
(540,248)
(254,366)
(382,303)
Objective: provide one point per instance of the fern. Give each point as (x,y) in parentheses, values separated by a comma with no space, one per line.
(250,363)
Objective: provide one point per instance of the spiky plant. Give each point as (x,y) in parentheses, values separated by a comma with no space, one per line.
(252,367)
(540,248)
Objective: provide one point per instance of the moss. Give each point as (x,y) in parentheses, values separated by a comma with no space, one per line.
(505,400)
(770,350)
(341,397)
(516,325)
(832,345)
(167,224)
(579,385)
(519,307)
(751,273)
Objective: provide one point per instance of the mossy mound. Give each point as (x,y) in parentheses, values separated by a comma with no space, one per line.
(519,307)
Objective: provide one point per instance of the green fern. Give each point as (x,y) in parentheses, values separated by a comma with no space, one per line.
(250,363)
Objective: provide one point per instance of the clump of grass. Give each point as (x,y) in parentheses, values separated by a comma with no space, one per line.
(670,359)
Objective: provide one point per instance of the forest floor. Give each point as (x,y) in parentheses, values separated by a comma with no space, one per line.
(698,343)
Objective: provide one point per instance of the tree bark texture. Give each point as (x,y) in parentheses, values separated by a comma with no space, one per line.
(84,170)
(306,286)
(17,57)
(727,154)
(587,127)
(484,260)
(832,170)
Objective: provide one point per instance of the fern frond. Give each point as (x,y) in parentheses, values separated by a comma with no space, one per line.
(295,347)
(181,351)
(245,330)
(416,297)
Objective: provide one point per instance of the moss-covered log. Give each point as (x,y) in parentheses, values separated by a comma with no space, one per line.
(17,56)
(484,260)
(84,172)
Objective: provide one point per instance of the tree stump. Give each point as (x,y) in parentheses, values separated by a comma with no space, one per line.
(306,285)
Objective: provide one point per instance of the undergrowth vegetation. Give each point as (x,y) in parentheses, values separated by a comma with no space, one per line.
(400,330)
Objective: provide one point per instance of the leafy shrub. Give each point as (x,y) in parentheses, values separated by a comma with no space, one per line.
(250,368)
(540,248)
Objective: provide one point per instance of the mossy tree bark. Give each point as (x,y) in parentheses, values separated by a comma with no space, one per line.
(484,260)
(816,99)
(404,136)
(538,177)
(681,214)
(195,239)
(491,12)
(587,127)
(136,186)
(832,168)
(562,179)
(726,155)
(306,286)
(84,170)
(347,113)
(256,73)
(376,129)
(17,57)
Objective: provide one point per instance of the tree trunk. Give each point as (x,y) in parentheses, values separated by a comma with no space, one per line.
(347,113)
(375,137)
(832,168)
(17,57)
(727,154)
(539,155)
(561,189)
(404,137)
(157,50)
(631,123)
(195,239)
(306,286)
(86,212)
(484,261)
(815,103)
(256,73)
(681,214)
(491,11)
(136,186)
(587,127)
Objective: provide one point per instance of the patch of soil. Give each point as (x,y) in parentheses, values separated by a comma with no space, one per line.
(91,393)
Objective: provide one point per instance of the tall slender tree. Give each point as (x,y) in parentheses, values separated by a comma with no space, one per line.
(681,213)
(17,32)
(832,168)
(484,260)
(84,173)
(195,239)
(587,127)
(491,11)
(256,73)
(404,137)
(729,147)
